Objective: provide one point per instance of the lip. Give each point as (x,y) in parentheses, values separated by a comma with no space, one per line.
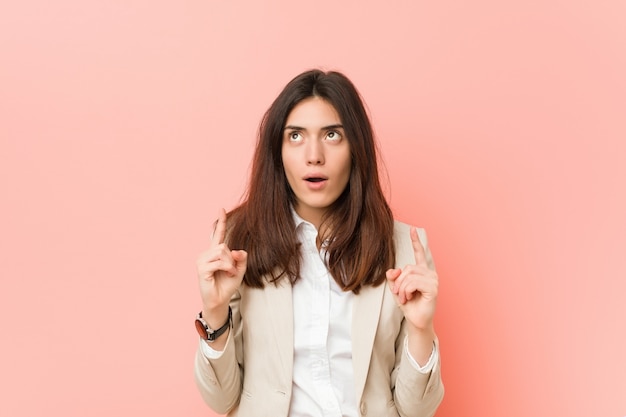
(315,175)
(315,185)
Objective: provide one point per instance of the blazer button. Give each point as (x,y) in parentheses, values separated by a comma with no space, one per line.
(363,408)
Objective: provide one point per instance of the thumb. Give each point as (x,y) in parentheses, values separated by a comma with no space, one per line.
(241,258)
(393,274)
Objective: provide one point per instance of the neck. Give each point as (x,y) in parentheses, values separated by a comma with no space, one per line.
(311,215)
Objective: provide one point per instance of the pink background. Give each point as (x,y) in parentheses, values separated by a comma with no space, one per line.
(125,125)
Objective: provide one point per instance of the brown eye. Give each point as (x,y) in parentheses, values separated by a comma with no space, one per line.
(333,135)
(295,136)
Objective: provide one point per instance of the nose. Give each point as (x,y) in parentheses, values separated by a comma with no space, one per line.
(314,153)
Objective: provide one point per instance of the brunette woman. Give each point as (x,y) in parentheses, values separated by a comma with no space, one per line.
(315,301)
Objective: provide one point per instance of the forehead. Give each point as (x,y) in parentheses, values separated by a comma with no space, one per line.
(313,112)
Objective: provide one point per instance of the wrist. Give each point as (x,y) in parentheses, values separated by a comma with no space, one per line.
(420,343)
(215,317)
(421,336)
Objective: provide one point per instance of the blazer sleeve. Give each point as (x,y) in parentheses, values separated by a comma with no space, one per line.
(416,394)
(219,380)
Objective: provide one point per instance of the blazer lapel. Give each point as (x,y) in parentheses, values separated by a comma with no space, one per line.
(365,316)
(367,307)
(279,304)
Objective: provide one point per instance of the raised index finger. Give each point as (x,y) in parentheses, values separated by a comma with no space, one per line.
(219,233)
(418,249)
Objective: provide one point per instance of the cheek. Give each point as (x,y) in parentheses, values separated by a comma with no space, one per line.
(285,161)
(288,167)
(343,175)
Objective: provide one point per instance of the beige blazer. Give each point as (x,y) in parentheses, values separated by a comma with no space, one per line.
(253,376)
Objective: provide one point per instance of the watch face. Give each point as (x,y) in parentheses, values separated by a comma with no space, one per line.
(201,329)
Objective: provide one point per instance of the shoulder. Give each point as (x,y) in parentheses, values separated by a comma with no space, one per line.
(404,245)
(400,228)
(402,233)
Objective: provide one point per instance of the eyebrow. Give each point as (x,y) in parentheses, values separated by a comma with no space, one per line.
(329,127)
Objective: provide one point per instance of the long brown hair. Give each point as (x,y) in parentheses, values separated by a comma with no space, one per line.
(358,226)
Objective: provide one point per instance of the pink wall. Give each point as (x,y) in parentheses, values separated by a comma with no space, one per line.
(125,125)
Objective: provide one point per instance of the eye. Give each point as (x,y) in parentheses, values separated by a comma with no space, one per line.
(333,135)
(295,137)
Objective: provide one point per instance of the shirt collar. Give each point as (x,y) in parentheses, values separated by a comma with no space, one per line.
(299,220)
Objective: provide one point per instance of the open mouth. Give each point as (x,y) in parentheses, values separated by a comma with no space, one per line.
(315,179)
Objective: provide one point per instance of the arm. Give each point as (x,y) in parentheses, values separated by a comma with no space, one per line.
(220,273)
(220,379)
(415,288)
(416,394)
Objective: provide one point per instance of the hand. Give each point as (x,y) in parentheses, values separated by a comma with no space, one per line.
(415,288)
(220,272)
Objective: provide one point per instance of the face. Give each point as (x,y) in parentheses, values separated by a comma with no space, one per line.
(316,157)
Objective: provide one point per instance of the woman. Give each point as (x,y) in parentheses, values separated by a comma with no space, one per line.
(315,302)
